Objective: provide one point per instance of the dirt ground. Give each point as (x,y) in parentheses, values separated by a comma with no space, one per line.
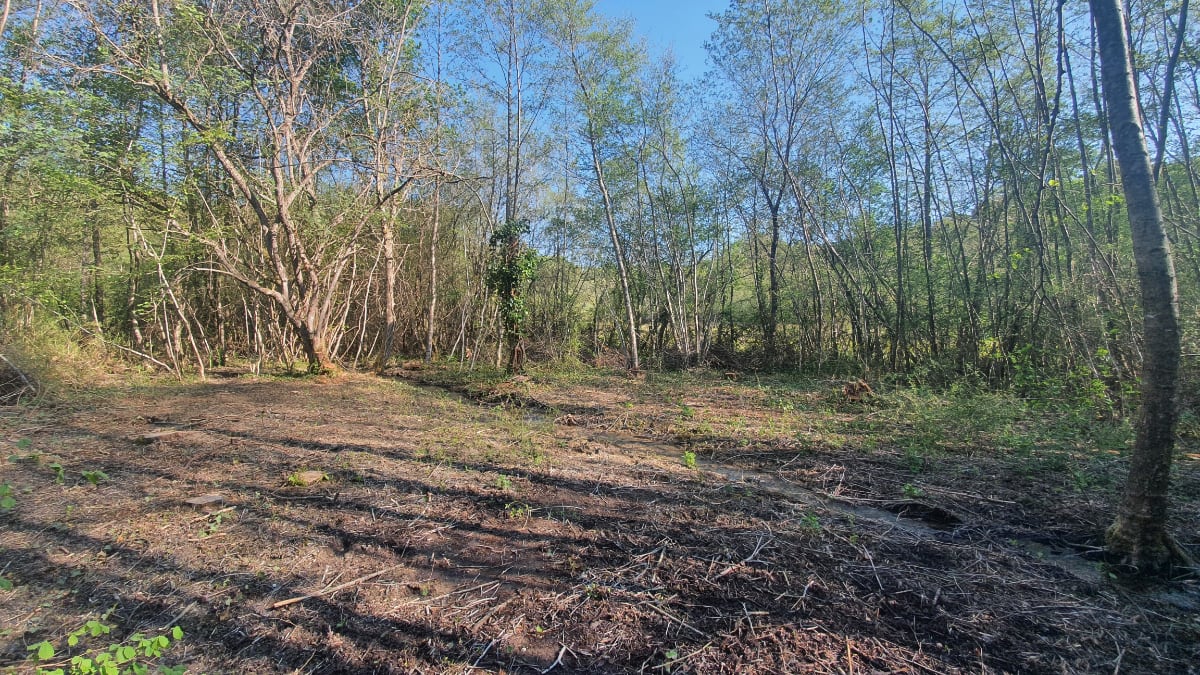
(680,523)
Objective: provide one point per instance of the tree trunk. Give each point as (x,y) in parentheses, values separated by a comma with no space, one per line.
(633,359)
(316,350)
(1139,533)
(389,294)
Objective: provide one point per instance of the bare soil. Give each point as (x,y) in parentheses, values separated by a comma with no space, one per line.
(674,524)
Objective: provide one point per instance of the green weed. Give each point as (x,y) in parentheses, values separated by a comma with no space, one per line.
(133,656)
(518,511)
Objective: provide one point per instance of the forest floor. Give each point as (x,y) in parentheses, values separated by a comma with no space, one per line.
(576,523)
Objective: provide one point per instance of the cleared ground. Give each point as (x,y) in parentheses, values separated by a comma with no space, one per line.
(588,523)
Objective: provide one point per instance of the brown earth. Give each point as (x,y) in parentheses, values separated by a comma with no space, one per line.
(532,526)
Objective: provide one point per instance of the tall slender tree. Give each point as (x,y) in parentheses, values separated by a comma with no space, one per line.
(1140,531)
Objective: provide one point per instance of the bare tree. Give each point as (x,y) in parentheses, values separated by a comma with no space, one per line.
(299,74)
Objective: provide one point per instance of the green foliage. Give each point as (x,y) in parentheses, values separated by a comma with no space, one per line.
(511,268)
(518,510)
(95,476)
(503,482)
(135,655)
(213,524)
(689,459)
(7,501)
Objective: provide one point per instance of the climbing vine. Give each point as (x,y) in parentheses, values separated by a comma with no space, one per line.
(511,269)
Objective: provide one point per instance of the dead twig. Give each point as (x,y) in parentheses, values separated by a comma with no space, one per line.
(671,664)
(327,591)
(671,617)
(557,661)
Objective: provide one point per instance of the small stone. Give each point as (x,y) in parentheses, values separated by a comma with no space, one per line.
(306,478)
(147,439)
(205,500)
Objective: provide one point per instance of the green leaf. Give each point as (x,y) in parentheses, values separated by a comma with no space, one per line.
(6,584)
(126,653)
(177,633)
(44,649)
(72,640)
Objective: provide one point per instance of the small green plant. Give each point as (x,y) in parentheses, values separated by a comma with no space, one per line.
(95,477)
(7,501)
(213,525)
(60,474)
(503,482)
(915,459)
(134,656)
(686,411)
(517,510)
(669,658)
(6,584)
(912,491)
(689,459)
(810,521)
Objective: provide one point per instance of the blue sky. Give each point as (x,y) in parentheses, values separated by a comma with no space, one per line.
(681,25)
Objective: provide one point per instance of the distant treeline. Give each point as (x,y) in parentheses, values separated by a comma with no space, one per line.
(919,189)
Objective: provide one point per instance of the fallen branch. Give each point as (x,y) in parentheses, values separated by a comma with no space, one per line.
(28,385)
(557,660)
(335,589)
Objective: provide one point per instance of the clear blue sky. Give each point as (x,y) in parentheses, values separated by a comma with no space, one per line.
(681,25)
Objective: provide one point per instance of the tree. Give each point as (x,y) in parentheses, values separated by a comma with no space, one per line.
(509,274)
(1139,533)
(278,97)
(511,80)
(781,68)
(602,60)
